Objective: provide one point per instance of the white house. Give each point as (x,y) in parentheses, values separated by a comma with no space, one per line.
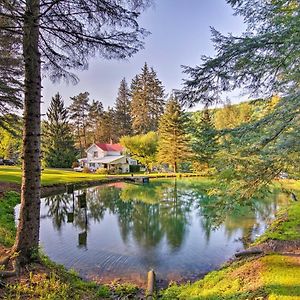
(108,156)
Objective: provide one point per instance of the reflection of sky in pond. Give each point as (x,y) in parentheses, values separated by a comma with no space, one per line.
(128,229)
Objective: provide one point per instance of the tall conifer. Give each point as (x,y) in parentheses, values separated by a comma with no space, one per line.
(147,104)
(58,143)
(123,111)
(173,145)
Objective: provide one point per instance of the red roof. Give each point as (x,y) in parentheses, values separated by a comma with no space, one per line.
(110,147)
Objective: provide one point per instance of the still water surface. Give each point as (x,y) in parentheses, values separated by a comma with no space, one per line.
(127,229)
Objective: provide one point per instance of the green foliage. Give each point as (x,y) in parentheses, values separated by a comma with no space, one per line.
(134,168)
(106,130)
(58,144)
(79,109)
(94,121)
(123,126)
(101,171)
(125,289)
(203,140)
(7,218)
(103,292)
(142,147)
(147,104)
(286,227)
(11,70)
(10,139)
(264,61)
(173,147)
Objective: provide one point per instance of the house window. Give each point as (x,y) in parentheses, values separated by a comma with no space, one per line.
(95,154)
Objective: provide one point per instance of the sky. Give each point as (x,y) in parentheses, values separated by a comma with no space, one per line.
(180,35)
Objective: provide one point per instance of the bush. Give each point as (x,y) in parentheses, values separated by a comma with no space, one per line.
(102,171)
(86,170)
(75,164)
(134,168)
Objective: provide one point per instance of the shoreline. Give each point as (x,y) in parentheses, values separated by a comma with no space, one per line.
(269,246)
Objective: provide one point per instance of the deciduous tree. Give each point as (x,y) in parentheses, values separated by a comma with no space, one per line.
(142,147)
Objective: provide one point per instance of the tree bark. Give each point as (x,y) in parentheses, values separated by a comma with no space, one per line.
(27,239)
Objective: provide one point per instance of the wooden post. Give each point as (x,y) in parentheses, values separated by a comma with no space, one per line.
(82,200)
(150,285)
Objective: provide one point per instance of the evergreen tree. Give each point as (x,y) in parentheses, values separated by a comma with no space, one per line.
(173,145)
(11,73)
(95,115)
(203,140)
(58,36)
(147,104)
(106,132)
(79,115)
(58,143)
(265,62)
(123,111)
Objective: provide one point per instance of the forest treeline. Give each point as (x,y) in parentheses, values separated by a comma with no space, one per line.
(154,128)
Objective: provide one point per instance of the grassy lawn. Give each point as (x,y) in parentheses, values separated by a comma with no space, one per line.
(49,176)
(54,176)
(270,277)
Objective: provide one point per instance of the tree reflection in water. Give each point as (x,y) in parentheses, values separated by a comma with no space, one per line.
(160,209)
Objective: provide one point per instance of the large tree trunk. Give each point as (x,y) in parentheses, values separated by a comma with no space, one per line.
(27,239)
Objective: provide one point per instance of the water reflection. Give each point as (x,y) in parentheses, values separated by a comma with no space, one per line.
(166,224)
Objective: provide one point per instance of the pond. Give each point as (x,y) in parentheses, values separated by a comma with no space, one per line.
(127,229)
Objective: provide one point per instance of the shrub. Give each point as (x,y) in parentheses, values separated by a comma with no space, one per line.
(75,164)
(102,171)
(86,170)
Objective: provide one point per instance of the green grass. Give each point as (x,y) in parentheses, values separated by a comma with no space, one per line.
(286,227)
(56,176)
(49,176)
(7,218)
(53,284)
(272,276)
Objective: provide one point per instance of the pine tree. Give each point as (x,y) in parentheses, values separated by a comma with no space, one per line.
(147,104)
(58,143)
(79,115)
(123,111)
(263,61)
(204,140)
(173,145)
(95,115)
(11,73)
(106,132)
(58,36)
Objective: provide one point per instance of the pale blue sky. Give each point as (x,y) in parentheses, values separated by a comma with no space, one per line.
(180,35)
